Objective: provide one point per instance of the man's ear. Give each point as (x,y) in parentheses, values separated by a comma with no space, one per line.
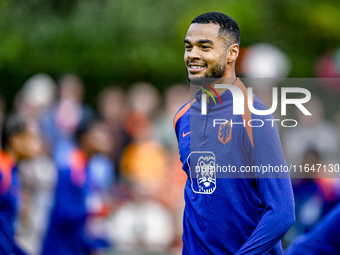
(232,52)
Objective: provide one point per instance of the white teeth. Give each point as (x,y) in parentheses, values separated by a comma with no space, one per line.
(196,67)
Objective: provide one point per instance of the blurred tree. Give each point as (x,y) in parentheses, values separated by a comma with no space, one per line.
(108,41)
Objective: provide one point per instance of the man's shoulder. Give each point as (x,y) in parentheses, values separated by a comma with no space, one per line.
(258,104)
(182,111)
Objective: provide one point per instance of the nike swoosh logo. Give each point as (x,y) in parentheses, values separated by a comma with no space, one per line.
(185,134)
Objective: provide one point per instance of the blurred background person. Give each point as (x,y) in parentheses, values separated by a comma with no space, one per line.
(78,197)
(315,196)
(36,96)
(61,121)
(38,175)
(19,141)
(144,221)
(144,159)
(322,239)
(111,105)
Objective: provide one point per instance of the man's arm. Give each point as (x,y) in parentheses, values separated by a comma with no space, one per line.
(275,191)
(277,218)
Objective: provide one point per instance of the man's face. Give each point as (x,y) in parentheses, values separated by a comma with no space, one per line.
(205,56)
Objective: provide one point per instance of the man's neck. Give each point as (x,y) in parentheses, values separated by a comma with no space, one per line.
(229,77)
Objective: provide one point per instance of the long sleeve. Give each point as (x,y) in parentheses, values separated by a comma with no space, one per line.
(277,218)
(274,189)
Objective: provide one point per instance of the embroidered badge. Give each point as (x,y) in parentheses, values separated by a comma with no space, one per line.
(224,133)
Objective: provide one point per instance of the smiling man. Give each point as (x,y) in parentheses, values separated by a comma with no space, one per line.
(228,210)
(211,49)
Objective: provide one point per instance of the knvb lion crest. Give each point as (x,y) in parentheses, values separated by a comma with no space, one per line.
(224,133)
(202,171)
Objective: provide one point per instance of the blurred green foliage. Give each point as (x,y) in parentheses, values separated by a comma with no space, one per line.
(109,41)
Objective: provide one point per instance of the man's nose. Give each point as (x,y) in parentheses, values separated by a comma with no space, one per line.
(194,53)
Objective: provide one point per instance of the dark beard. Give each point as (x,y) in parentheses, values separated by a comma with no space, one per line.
(217,72)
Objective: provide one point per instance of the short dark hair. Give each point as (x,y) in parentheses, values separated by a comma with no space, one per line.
(12,125)
(228,27)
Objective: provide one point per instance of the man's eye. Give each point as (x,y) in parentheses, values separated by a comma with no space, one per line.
(188,47)
(205,47)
